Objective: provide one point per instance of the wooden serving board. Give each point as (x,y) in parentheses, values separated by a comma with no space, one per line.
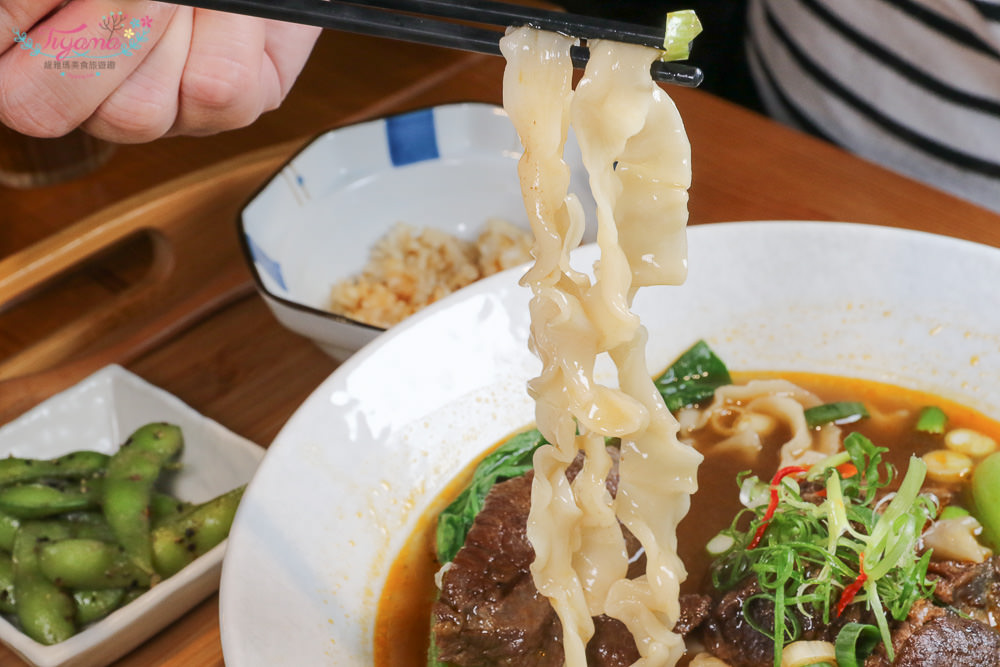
(195,268)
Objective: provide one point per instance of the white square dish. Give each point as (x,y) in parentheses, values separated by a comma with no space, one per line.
(98,414)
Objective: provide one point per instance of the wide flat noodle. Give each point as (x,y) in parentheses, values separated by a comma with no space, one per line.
(638,158)
(779,400)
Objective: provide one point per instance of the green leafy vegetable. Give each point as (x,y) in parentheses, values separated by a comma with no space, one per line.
(512,459)
(932,420)
(818,554)
(841,412)
(681,29)
(693,378)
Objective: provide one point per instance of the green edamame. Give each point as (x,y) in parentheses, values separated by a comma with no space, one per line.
(37,500)
(89,524)
(94,605)
(128,486)
(8,529)
(81,563)
(178,542)
(164,507)
(6,584)
(46,612)
(80,529)
(79,464)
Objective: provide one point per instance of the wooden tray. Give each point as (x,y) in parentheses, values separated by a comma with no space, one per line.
(195,269)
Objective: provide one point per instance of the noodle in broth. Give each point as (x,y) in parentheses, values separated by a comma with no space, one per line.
(636,152)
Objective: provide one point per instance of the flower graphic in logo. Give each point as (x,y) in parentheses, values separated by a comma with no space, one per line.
(86,51)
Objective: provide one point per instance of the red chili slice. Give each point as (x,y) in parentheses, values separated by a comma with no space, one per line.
(772,506)
(848,594)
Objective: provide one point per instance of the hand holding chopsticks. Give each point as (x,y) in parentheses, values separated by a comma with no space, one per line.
(417,21)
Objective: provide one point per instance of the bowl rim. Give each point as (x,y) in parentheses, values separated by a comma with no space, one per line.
(311,141)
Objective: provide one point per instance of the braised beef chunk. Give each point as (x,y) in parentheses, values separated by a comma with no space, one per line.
(971,588)
(950,640)
(921,613)
(934,636)
(489,611)
(730,637)
(695,609)
(612,644)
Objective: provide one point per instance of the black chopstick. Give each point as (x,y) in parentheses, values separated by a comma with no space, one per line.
(503,14)
(378,18)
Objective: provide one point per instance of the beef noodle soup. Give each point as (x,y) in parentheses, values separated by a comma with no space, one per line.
(961,574)
(833,525)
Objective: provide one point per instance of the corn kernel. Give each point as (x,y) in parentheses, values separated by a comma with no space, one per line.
(971,443)
(947,466)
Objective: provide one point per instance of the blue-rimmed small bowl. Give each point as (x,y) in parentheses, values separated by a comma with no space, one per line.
(313,224)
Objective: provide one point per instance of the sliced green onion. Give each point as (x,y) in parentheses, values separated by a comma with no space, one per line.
(720,544)
(854,644)
(841,412)
(832,461)
(932,419)
(850,549)
(681,29)
(896,523)
(876,607)
(837,521)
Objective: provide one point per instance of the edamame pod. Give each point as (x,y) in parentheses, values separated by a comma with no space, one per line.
(89,564)
(77,464)
(128,486)
(89,524)
(164,507)
(6,584)
(36,500)
(94,605)
(8,529)
(46,613)
(178,542)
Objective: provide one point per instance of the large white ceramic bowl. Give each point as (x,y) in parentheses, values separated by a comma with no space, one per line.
(449,167)
(349,475)
(98,414)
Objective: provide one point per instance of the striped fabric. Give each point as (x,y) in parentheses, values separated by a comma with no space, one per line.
(911,84)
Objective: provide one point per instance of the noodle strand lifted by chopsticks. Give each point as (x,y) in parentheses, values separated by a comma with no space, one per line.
(637,154)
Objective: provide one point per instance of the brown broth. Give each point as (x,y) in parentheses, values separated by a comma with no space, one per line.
(403,620)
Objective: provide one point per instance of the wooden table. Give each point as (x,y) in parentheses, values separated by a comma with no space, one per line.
(220,350)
